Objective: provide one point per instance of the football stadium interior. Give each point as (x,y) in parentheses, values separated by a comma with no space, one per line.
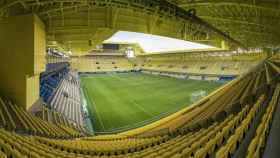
(139,78)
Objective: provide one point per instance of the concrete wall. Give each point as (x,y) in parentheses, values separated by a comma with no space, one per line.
(22,58)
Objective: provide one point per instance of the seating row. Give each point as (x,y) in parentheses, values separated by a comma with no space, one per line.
(15,118)
(67,100)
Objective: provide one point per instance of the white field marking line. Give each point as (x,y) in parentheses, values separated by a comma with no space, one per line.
(139,106)
(100,121)
(97,113)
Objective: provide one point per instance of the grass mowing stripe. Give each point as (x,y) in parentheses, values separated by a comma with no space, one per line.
(97,113)
(139,106)
(94,109)
(123,100)
(132,101)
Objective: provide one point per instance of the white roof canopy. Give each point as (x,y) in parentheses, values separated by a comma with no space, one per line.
(155,44)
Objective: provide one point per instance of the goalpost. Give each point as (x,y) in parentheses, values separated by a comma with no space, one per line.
(195,96)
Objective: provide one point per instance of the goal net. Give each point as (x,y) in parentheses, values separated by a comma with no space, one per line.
(195,96)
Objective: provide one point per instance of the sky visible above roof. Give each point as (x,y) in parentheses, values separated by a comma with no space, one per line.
(155,44)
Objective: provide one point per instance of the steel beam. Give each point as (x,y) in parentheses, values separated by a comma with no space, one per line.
(164,8)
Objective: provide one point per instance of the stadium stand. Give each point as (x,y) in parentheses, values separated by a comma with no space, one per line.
(54,57)
(208,68)
(258,143)
(60,91)
(15,118)
(198,144)
(66,99)
(47,44)
(57,118)
(196,65)
(201,133)
(50,79)
(101,63)
(183,65)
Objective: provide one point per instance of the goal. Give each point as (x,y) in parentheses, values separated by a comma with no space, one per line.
(195,96)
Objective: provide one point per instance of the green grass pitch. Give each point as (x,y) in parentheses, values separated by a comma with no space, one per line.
(125,101)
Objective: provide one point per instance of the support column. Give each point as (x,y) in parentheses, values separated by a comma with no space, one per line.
(22,58)
(224,45)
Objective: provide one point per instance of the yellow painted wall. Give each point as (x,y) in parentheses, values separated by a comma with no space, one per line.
(32,89)
(224,45)
(22,47)
(39,46)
